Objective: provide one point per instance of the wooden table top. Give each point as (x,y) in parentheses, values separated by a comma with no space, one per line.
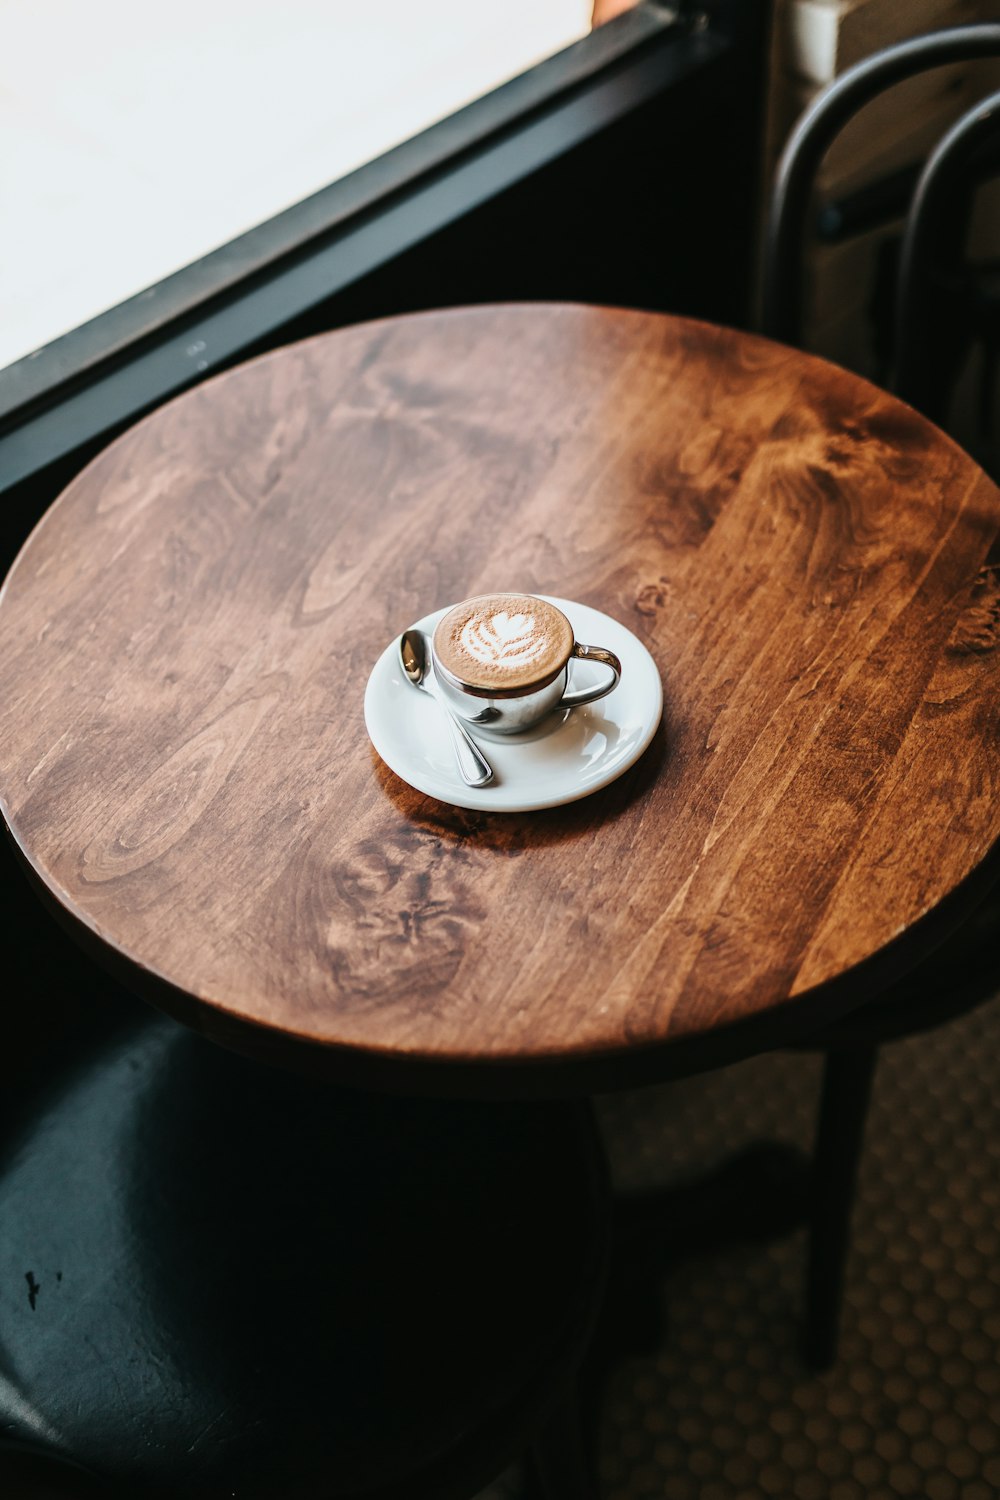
(186,637)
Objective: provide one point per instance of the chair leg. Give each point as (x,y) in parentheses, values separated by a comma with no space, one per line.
(560,1462)
(847,1082)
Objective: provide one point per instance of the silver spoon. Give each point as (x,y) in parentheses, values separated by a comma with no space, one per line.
(473,765)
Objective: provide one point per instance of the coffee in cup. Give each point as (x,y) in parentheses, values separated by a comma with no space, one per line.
(502,661)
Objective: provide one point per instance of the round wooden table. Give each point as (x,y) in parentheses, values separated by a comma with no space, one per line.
(186,637)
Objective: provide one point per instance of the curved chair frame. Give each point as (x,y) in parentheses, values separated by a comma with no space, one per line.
(815,132)
(950,161)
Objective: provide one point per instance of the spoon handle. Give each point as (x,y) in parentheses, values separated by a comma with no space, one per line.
(475,768)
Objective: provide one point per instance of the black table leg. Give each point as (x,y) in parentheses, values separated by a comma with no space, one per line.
(847,1083)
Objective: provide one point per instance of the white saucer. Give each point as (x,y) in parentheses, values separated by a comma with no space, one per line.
(571,754)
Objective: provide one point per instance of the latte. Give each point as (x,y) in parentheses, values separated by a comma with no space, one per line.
(503,642)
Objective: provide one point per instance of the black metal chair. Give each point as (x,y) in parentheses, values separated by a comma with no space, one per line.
(218,1279)
(939,308)
(941,301)
(939,235)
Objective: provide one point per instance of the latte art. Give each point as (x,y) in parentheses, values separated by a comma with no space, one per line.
(512,639)
(503,643)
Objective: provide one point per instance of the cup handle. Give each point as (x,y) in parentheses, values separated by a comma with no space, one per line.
(591,695)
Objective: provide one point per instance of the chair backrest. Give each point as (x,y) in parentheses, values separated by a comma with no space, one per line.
(931,256)
(814,133)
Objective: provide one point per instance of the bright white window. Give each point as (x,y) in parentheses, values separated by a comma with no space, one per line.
(135,139)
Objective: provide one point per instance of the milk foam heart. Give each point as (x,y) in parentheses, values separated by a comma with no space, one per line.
(511,639)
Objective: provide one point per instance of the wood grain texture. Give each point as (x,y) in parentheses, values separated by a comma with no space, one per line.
(186,638)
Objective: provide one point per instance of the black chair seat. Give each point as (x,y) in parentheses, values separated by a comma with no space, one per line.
(220,1280)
